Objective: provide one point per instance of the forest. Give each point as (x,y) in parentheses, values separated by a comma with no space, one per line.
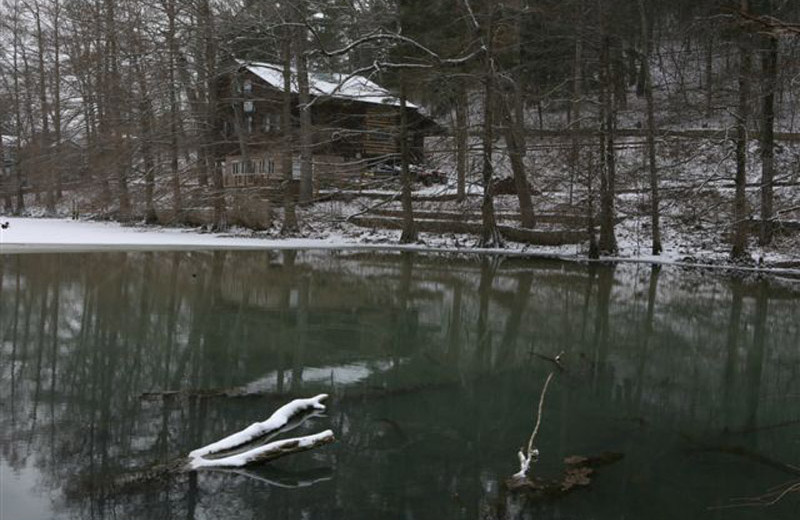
(677,120)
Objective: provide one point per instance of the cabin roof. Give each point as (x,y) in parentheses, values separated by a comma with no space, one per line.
(340,86)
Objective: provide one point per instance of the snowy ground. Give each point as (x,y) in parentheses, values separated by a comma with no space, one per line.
(43,235)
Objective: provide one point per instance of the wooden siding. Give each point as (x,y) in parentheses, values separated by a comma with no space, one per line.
(380,125)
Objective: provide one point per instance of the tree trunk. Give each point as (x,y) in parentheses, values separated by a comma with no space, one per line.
(46,164)
(490,237)
(59,184)
(769,73)
(514,118)
(739,249)
(709,76)
(575,109)
(5,184)
(513,130)
(651,135)
(608,241)
(20,179)
(209,146)
(462,141)
(146,147)
(114,100)
(174,153)
(289,215)
(306,132)
(409,233)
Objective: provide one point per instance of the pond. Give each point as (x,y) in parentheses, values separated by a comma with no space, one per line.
(114,362)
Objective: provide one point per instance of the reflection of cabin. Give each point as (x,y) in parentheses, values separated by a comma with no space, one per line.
(355,125)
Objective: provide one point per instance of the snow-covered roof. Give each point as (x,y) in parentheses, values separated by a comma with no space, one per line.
(342,86)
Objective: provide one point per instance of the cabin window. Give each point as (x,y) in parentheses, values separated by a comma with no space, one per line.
(248,86)
(249,107)
(270,165)
(259,166)
(270,123)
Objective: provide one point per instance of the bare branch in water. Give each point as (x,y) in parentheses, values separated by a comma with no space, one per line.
(531,454)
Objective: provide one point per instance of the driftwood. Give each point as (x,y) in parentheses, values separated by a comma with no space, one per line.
(527,456)
(254,444)
(577,473)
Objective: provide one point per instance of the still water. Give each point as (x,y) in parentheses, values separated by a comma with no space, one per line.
(115,362)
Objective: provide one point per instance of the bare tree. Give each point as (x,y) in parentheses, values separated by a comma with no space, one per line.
(769,84)
(655,214)
(739,250)
(513,115)
(409,233)
(289,215)
(306,132)
(608,124)
(462,139)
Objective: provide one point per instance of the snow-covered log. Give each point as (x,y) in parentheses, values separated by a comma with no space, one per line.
(267,452)
(231,452)
(277,422)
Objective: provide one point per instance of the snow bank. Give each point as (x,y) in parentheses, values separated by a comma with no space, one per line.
(32,234)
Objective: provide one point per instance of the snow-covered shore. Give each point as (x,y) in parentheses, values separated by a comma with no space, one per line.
(36,235)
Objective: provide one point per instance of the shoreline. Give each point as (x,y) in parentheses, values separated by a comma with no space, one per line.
(107,237)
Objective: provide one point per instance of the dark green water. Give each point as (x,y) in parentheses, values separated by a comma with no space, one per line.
(434,377)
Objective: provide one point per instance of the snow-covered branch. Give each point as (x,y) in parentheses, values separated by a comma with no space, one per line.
(224,454)
(267,452)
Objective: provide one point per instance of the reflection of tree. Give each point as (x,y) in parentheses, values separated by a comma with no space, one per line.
(516,312)
(644,355)
(755,356)
(602,329)
(732,358)
(483,356)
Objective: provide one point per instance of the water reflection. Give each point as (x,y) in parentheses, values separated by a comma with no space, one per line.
(116,361)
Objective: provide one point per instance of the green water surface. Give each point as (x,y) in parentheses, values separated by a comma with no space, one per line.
(112,363)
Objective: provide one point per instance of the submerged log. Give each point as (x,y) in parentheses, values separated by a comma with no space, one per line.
(578,472)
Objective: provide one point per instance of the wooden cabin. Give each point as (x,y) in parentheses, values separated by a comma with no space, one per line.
(355,126)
